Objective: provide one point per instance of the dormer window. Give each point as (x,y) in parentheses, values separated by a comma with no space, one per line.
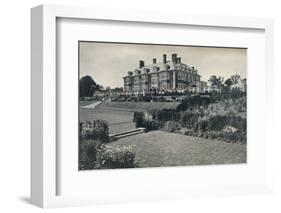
(137,72)
(146,70)
(155,68)
(167,67)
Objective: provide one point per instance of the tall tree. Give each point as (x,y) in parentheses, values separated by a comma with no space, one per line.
(235,78)
(87,86)
(216,81)
(228,82)
(107,89)
(117,89)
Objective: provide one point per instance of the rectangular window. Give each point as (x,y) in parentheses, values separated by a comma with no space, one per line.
(144,78)
(181,76)
(181,86)
(136,79)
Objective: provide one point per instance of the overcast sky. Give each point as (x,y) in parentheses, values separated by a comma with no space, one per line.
(107,63)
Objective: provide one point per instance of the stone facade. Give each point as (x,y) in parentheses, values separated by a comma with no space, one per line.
(168,75)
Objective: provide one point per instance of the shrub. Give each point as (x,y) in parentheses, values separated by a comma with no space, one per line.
(154,113)
(152,125)
(193,101)
(243,137)
(95,130)
(203,125)
(184,105)
(217,122)
(230,133)
(167,115)
(87,154)
(190,119)
(237,122)
(95,155)
(139,119)
(200,135)
(172,126)
(188,132)
(115,156)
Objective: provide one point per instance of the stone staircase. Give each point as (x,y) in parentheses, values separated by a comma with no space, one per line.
(93,105)
(116,136)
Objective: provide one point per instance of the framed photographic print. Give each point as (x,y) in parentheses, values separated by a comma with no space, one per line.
(147,106)
(164,111)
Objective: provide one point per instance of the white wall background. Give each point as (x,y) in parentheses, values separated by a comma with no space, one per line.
(15,104)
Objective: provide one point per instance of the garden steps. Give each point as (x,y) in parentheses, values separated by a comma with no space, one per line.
(126,133)
(93,105)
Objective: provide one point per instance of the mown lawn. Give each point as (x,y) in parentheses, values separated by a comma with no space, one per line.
(138,106)
(118,121)
(119,115)
(157,148)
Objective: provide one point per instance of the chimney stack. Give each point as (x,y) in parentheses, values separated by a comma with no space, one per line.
(192,68)
(164,58)
(179,60)
(141,64)
(174,58)
(154,61)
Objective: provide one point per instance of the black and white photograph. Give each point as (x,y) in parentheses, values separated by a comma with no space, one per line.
(159,105)
(140,106)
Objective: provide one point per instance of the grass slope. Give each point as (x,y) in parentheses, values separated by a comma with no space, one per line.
(118,121)
(138,106)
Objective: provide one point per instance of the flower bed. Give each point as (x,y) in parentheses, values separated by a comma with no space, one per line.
(115,156)
(172,126)
(95,154)
(229,128)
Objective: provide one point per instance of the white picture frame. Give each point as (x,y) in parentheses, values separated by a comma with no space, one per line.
(44,103)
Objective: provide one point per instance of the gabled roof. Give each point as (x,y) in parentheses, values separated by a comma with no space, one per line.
(158,67)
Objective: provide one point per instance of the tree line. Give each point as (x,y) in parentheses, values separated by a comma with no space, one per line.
(88,87)
(224,85)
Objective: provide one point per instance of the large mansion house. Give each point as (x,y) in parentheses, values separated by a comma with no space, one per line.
(166,75)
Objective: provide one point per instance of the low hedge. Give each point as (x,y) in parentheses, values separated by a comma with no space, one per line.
(152,125)
(139,119)
(219,122)
(165,115)
(203,125)
(149,125)
(95,130)
(190,119)
(232,137)
(87,154)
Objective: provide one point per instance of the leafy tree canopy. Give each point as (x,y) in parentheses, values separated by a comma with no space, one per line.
(87,86)
(235,78)
(216,81)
